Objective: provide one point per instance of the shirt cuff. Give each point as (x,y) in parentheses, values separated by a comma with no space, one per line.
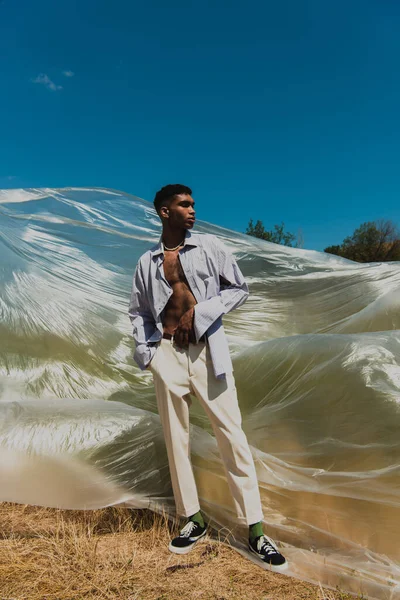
(206,313)
(144,355)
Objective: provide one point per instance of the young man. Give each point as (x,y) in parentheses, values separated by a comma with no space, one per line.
(181,289)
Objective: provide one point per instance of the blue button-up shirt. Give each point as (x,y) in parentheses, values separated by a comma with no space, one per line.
(216,282)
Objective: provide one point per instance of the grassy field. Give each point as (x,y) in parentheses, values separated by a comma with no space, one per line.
(117,553)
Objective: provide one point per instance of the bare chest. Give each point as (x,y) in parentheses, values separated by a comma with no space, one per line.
(173,269)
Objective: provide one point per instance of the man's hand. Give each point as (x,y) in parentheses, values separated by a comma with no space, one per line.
(184,333)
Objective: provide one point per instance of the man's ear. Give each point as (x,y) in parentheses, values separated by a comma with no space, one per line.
(164,212)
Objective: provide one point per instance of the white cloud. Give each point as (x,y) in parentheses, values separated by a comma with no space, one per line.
(46,81)
(68,73)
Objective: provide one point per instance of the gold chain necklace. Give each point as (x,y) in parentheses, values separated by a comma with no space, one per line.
(176,247)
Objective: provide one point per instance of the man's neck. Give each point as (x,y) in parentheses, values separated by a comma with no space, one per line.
(172,238)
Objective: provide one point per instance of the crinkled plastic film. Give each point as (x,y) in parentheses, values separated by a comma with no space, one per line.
(316,352)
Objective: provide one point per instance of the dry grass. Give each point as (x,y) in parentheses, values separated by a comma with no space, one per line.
(117,553)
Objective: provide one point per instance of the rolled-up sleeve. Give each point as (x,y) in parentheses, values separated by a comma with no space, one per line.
(233,292)
(142,320)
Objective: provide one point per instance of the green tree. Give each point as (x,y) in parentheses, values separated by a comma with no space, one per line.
(374,241)
(277,235)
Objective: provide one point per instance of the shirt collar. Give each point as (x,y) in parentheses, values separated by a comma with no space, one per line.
(190,240)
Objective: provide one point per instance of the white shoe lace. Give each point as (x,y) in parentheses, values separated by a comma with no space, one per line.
(266,544)
(187,530)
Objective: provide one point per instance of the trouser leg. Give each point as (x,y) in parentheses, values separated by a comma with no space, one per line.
(171,381)
(219,399)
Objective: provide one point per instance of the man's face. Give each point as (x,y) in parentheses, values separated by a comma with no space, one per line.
(180,212)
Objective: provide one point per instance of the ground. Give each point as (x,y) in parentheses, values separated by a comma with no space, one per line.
(117,553)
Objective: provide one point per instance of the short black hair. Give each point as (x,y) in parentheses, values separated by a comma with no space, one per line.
(168,191)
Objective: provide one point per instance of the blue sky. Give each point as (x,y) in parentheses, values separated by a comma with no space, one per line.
(280,111)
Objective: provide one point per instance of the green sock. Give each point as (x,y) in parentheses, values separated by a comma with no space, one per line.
(198,518)
(255,531)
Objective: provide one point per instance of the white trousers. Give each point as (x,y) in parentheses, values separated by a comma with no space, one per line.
(178,372)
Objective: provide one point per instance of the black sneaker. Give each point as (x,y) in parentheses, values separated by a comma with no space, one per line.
(188,537)
(265,549)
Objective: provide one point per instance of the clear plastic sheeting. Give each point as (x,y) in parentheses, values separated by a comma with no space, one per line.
(316,353)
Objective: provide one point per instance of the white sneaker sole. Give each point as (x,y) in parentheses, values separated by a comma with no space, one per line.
(275,568)
(176,550)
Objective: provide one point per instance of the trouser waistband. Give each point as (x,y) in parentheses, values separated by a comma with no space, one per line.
(169,336)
